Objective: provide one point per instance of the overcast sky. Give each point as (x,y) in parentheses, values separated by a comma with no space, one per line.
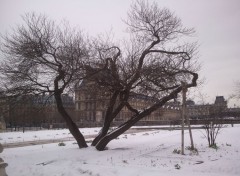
(217,23)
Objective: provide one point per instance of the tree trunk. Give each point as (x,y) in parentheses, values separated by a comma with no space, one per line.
(71,125)
(110,115)
(101,134)
(107,123)
(128,124)
(121,129)
(114,134)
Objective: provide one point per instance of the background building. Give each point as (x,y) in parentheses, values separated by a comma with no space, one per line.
(36,111)
(91,105)
(207,110)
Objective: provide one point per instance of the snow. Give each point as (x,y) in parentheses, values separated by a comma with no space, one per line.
(147,153)
(15,137)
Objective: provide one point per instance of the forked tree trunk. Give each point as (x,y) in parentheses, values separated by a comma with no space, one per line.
(101,134)
(71,125)
(128,124)
(101,145)
(110,115)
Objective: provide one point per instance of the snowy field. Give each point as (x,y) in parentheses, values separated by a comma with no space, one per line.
(15,137)
(142,154)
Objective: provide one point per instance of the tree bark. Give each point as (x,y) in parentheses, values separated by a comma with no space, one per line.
(101,145)
(71,125)
(101,134)
(109,117)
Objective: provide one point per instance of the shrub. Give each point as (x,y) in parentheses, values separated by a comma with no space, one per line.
(176,151)
(61,144)
(177,166)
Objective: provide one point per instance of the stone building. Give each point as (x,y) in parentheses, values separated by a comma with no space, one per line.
(91,105)
(33,111)
(207,110)
(49,107)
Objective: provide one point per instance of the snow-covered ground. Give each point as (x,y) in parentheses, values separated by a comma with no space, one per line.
(142,154)
(15,137)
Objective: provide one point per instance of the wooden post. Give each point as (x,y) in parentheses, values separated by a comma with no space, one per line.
(190,131)
(189,125)
(184,90)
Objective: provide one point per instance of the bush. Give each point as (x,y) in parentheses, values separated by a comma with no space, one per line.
(177,166)
(61,144)
(176,151)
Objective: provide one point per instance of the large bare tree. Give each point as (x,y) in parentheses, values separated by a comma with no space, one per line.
(41,56)
(154,63)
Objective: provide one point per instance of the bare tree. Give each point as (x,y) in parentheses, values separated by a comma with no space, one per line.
(214,123)
(212,117)
(212,129)
(41,56)
(213,126)
(152,63)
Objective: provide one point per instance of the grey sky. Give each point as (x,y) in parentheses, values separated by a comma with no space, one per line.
(217,23)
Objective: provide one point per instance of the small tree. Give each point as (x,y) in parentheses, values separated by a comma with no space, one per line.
(213,125)
(44,57)
(212,129)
